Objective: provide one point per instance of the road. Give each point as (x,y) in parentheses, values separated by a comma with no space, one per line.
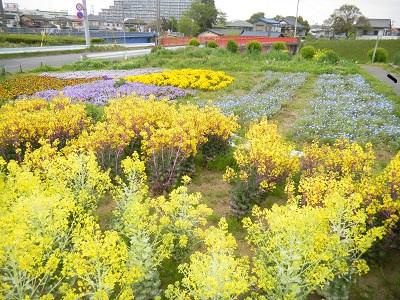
(381,74)
(13,65)
(64,48)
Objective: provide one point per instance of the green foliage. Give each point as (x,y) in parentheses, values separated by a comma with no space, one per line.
(254,48)
(211,44)
(156,49)
(255,17)
(326,56)
(203,13)
(396,59)
(344,19)
(188,26)
(276,55)
(279,46)
(359,48)
(194,42)
(36,39)
(232,46)
(307,52)
(381,55)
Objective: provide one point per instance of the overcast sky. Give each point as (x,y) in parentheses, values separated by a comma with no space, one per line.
(315,11)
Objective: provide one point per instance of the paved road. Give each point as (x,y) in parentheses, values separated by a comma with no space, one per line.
(64,48)
(12,65)
(381,74)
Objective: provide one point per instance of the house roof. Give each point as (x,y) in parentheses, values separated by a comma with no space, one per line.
(378,23)
(223,31)
(239,23)
(291,21)
(261,33)
(269,21)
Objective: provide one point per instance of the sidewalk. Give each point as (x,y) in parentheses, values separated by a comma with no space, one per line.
(381,74)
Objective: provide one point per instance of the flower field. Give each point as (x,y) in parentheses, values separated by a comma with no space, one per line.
(166,183)
(265,99)
(346,106)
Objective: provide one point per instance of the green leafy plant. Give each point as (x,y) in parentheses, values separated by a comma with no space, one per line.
(279,46)
(396,59)
(194,43)
(277,55)
(254,48)
(212,44)
(381,55)
(326,56)
(307,52)
(232,46)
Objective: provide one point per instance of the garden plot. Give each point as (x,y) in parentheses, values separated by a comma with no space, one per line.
(347,107)
(266,99)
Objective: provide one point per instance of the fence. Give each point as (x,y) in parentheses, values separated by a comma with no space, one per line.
(222,41)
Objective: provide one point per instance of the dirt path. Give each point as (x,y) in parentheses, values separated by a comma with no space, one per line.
(381,74)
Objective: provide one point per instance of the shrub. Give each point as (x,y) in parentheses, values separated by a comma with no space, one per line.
(155,49)
(212,44)
(307,52)
(232,46)
(396,59)
(276,55)
(194,43)
(326,56)
(254,48)
(279,46)
(381,55)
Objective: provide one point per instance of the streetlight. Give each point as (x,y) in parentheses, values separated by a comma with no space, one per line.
(297,16)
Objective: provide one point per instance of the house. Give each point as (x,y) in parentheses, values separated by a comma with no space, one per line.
(374,27)
(262,34)
(62,22)
(219,32)
(96,22)
(288,25)
(271,26)
(239,25)
(321,31)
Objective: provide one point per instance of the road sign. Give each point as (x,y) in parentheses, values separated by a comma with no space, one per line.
(80,14)
(79,6)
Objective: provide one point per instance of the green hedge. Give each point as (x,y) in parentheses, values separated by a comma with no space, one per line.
(356,50)
(36,39)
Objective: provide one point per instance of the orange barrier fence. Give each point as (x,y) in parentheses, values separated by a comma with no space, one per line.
(222,41)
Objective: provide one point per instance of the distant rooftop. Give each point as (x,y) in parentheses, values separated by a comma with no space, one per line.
(239,23)
(224,32)
(269,21)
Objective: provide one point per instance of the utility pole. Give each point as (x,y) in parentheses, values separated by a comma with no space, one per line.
(86,23)
(123,20)
(297,16)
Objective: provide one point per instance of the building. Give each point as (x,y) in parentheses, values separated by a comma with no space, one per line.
(45,13)
(321,31)
(270,27)
(145,10)
(288,25)
(373,27)
(239,25)
(219,32)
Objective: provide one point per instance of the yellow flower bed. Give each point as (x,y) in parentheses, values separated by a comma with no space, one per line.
(186,78)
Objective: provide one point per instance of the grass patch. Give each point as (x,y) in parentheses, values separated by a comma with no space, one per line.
(359,48)
(23,40)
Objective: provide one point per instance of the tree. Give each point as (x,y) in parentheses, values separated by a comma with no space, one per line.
(344,19)
(221,19)
(255,17)
(169,24)
(203,13)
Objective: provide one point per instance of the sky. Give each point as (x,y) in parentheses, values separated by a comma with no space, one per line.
(315,11)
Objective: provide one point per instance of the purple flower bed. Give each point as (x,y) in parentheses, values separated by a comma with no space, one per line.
(106,74)
(100,92)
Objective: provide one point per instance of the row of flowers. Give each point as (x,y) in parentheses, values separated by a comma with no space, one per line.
(265,99)
(100,92)
(346,106)
(115,74)
(187,78)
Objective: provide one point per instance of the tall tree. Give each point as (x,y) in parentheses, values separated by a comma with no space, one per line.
(203,14)
(344,19)
(188,26)
(221,19)
(255,17)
